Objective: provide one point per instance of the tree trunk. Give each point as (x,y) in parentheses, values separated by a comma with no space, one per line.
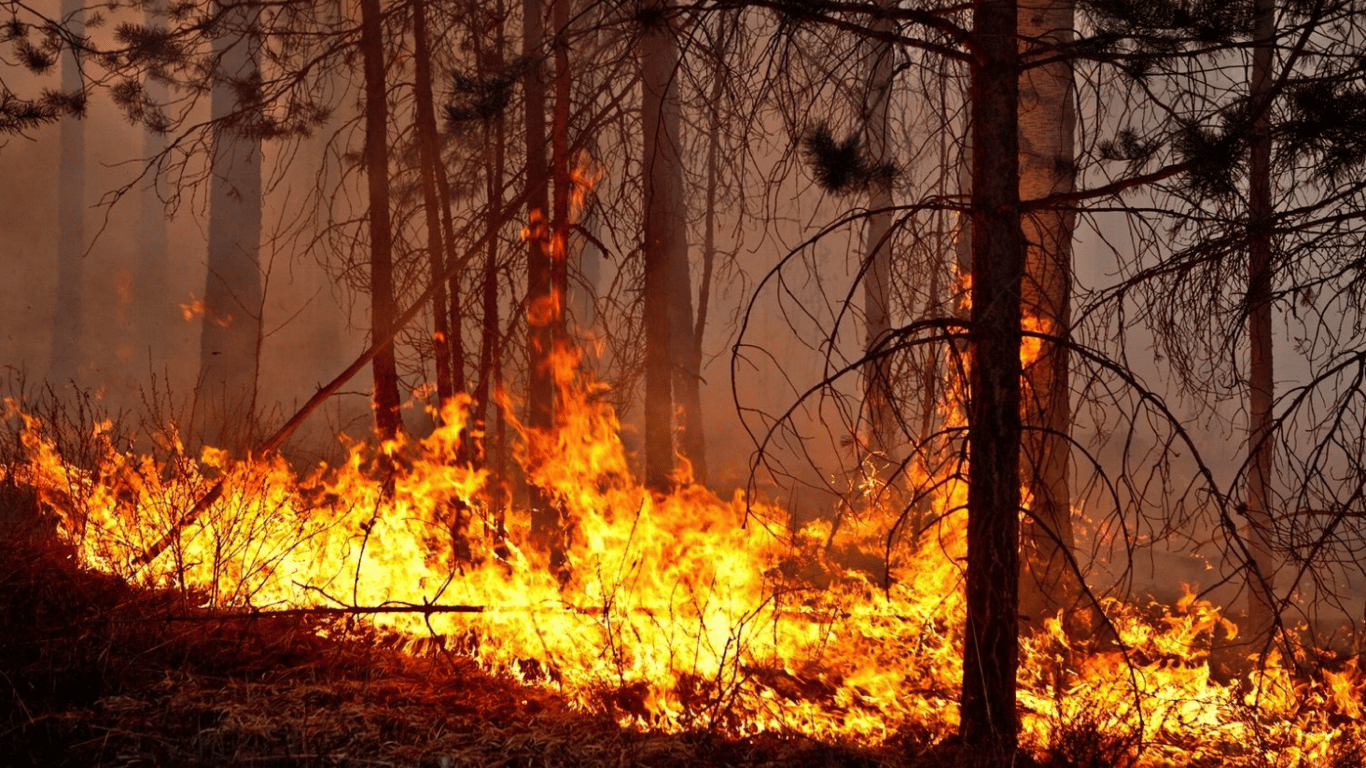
(1047,124)
(1261,611)
(429,162)
(724,34)
(878,402)
(68,316)
(665,238)
(563,182)
(539,300)
(233,296)
(456,341)
(388,420)
(490,339)
(154,310)
(991,644)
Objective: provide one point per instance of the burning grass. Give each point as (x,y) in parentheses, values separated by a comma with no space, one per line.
(672,616)
(99,673)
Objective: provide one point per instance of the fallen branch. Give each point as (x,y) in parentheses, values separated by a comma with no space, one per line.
(346,610)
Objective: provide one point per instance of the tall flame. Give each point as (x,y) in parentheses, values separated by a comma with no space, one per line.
(680,610)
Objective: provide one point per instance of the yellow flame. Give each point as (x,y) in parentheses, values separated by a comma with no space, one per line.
(675,610)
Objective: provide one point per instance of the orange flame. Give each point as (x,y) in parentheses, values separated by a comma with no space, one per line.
(676,611)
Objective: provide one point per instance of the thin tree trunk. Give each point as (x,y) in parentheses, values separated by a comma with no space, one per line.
(490,337)
(388,420)
(429,163)
(563,183)
(68,317)
(991,643)
(456,341)
(697,453)
(1261,382)
(539,301)
(877,254)
(233,296)
(1047,125)
(154,305)
(663,221)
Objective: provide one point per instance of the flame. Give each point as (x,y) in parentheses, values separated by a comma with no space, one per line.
(192,309)
(672,611)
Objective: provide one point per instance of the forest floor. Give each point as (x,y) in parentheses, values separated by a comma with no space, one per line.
(95,672)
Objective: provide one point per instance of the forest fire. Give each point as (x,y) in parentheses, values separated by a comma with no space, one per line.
(676,611)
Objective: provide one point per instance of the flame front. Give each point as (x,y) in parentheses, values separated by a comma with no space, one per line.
(677,611)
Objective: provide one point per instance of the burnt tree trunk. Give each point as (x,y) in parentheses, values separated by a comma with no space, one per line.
(1261,388)
(1048,584)
(388,420)
(230,337)
(991,643)
(878,405)
(429,162)
(68,315)
(664,237)
(540,298)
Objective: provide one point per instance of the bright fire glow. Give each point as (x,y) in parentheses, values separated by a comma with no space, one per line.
(677,611)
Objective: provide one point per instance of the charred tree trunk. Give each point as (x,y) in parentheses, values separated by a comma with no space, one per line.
(991,643)
(68,323)
(686,350)
(709,250)
(1261,390)
(456,340)
(665,239)
(1048,583)
(878,401)
(388,420)
(154,305)
(490,339)
(231,328)
(540,297)
(563,181)
(429,161)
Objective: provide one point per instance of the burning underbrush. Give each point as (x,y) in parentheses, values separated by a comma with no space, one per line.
(678,614)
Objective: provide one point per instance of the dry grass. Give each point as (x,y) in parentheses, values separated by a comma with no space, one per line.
(94,672)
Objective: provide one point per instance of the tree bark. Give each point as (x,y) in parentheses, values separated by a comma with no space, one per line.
(1048,583)
(539,300)
(991,643)
(154,307)
(710,214)
(664,236)
(429,162)
(233,296)
(1262,614)
(68,316)
(490,339)
(388,419)
(877,252)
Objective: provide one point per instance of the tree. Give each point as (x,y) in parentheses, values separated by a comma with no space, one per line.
(991,641)
(665,244)
(877,249)
(230,335)
(68,324)
(150,281)
(1261,387)
(430,165)
(1047,167)
(388,420)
